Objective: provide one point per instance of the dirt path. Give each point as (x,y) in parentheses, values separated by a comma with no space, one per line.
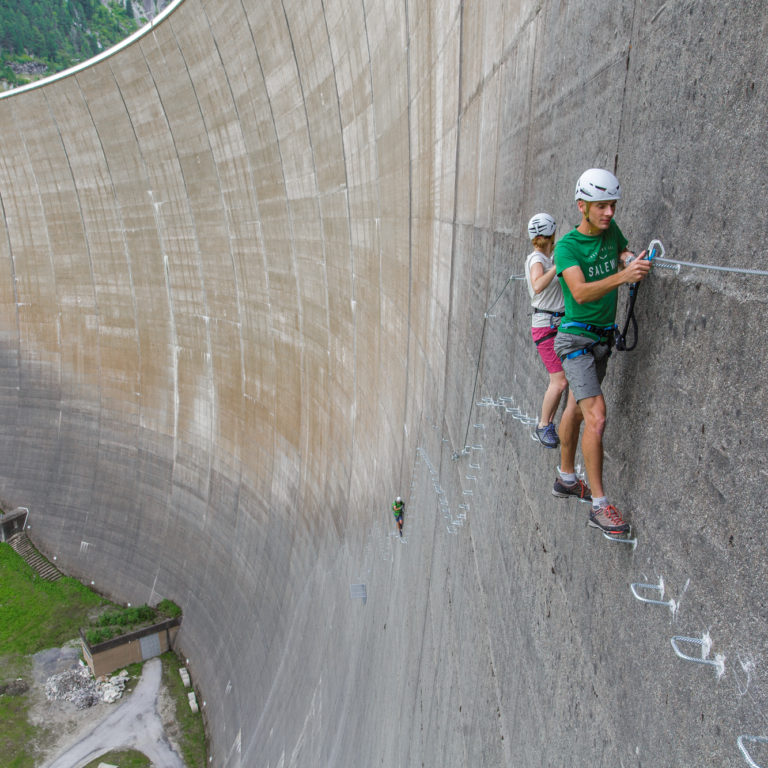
(135,723)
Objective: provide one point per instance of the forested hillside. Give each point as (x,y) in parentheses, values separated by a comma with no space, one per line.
(40,37)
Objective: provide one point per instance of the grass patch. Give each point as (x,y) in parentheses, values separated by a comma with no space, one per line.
(16,732)
(36,614)
(191,736)
(128,758)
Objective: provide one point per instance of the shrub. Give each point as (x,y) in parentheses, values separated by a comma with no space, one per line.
(169,608)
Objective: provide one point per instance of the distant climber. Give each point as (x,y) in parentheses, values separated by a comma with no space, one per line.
(548,307)
(592,261)
(398,506)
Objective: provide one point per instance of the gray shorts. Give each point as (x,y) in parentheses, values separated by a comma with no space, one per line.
(584,372)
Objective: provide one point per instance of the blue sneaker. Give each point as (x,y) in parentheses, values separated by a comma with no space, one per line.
(548,436)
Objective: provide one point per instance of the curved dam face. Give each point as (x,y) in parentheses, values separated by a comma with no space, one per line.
(248,264)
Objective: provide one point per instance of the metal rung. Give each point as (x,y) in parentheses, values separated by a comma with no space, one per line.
(468,492)
(705,644)
(474,466)
(755,740)
(620,540)
(653,587)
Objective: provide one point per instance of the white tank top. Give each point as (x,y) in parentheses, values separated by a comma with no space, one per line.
(550,298)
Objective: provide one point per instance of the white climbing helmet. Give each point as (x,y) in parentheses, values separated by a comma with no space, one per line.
(541,224)
(597,184)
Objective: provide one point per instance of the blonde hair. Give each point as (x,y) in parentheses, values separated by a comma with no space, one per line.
(541,240)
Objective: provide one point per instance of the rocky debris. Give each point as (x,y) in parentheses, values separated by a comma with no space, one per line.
(14,688)
(78,687)
(28,67)
(112,688)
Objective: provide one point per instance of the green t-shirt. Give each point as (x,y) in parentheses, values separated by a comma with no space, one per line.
(598,258)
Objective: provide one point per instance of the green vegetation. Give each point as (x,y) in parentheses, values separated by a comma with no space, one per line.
(36,614)
(169,608)
(128,758)
(40,37)
(115,623)
(191,730)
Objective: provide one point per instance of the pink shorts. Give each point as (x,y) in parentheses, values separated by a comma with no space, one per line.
(547,349)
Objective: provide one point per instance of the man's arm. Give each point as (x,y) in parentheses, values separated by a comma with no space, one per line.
(584,292)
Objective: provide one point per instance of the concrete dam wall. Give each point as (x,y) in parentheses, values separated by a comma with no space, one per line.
(246,266)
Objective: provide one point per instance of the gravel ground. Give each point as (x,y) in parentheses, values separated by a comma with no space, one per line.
(76,725)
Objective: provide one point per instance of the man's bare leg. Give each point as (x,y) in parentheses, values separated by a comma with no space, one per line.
(593,411)
(570,426)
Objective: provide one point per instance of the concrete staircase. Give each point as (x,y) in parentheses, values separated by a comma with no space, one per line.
(21,544)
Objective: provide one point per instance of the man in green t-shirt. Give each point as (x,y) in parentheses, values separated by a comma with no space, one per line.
(592,261)
(398,506)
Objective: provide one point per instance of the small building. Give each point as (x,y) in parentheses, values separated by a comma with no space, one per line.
(13,522)
(139,645)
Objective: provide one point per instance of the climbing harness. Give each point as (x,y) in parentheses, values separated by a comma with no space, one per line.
(554,315)
(552,327)
(605,335)
(622,343)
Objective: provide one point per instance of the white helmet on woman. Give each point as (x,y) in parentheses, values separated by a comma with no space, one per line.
(597,184)
(541,224)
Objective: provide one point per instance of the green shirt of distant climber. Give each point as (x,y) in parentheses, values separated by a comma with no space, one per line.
(598,257)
